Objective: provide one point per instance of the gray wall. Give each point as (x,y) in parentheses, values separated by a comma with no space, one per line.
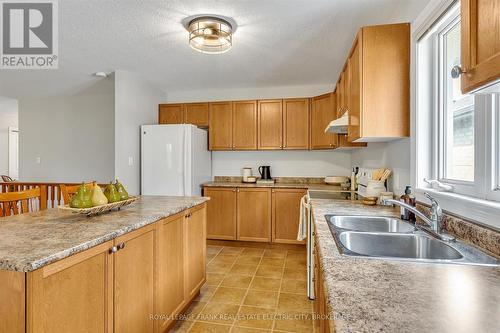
(136,104)
(8,118)
(73,136)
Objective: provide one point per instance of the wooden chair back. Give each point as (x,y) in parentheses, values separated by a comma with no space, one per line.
(20,202)
(6,178)
(69,190)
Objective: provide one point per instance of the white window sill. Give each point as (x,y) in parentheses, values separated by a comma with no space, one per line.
(478,210)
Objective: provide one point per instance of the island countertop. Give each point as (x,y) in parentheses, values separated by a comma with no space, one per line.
(368,295)
(31,241)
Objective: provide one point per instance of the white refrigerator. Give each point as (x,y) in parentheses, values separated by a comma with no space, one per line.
(175,160)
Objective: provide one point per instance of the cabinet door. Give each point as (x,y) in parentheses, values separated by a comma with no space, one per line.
(196,114)
(245,125)
(296,123)
(221,212)
(354,130)
(271,124)
(341,93)
(286,215)
(220,126)
(73,295)
(480,43)
(254,214)
(134,267)
(170,291)
(195,240)
(322,113)
(171,114)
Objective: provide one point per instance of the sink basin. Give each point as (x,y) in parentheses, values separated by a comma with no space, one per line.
(370,223)
(410,246)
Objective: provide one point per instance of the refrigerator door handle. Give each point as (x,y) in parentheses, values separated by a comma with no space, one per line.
(184,161)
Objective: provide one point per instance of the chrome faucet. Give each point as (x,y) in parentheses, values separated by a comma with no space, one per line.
(434,221)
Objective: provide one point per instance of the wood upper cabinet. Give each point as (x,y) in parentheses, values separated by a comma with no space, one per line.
(171,297)
(379,97)
(286,214)
(63,296)
(245,125)
(171,114)
(195,240)
(323,111)
(480,26)
(221,212)
(254,214)
(296,123)
(134,280)
(270,129)
(220,133)
(196,114)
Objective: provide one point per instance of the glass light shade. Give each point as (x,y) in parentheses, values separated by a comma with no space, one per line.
(209,34)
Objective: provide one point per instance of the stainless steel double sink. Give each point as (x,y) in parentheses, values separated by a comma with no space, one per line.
(393,238)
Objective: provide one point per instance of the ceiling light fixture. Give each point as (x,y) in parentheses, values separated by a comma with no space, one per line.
(210,34)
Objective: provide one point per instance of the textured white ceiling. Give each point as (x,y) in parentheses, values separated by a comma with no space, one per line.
(278,42)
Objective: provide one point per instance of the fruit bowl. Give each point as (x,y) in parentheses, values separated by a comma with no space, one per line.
(100,209)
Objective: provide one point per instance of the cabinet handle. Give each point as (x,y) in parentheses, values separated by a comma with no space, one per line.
(187,215)
(456,71)
(120,246)
(113,249)
(234,190)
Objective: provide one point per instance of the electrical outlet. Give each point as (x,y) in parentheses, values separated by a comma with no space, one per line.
(38,160)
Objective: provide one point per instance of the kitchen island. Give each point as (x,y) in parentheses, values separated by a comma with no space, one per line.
(128,270)
(368,295)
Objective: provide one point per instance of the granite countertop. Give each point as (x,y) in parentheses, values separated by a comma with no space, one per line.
(297,185)
(31,241)
(367,295)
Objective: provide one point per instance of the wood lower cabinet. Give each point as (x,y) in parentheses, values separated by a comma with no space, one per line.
(270,128)
(221,212)
(134,269)
(286,215)
(115,286)
(323,111)
(195,250)
(220,130)
(320,302)
(253,214)
(171,114)
(245,125)
(296,123)
(72,295)
(480,48)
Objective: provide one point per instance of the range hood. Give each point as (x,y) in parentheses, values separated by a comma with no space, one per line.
(338,125)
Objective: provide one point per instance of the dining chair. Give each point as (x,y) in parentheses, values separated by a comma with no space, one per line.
(69,190)
(6,178)
(14,203)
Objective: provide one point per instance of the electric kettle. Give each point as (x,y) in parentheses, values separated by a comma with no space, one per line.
(265,172)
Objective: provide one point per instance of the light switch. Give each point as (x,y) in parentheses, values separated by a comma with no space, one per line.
(130,161)
(38,160)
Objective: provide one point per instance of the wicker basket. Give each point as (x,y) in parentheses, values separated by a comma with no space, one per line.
(99,209)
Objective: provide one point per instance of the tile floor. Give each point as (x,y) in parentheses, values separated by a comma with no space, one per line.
(251,290)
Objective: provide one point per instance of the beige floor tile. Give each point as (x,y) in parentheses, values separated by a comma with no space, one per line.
(191,314)
(263,283)
(269,271)
(236,281)
(202,327)
(260,298)
(295,274)
(278,262)
(255,317)
(221,313)
(224,259)
(243,269)
(228,295)
(231,250)
(213,249)
(244,259)
(296,262)
(218,267)
(294,302)
(294,286)
(294,322)
(237,329)
(296,254)
(206,293)
(214,279)
(274,253)
(181,326)
(253,252)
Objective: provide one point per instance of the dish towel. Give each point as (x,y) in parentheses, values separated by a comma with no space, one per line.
(304,211)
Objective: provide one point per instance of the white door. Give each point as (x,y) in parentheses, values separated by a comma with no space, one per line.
(163,159)
(13,153)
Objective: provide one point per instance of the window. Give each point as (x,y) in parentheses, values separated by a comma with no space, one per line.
(458,140)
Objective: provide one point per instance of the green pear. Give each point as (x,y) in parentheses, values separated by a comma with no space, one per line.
(98,197)
(86,194)
(76,201)
(121,190)
(111,193)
